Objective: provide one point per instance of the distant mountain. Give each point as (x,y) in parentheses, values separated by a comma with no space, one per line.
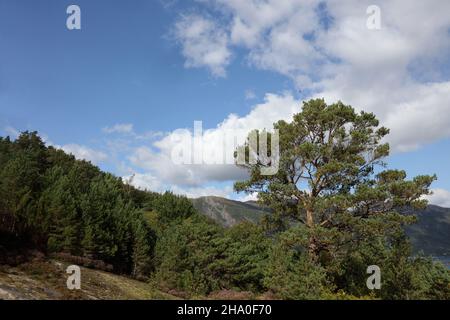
(229,212)
(431,234)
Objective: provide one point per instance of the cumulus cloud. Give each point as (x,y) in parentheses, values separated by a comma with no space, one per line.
(253,196)
(204,43)
(195,192)
(148,181)
(144,181)
(327,50)
(217,164)
(440,197)
(422,118)
(119,128)
(84,153)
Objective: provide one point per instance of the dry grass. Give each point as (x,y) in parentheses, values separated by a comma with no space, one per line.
(47,280)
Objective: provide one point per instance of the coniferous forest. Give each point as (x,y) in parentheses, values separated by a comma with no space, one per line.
(316,244)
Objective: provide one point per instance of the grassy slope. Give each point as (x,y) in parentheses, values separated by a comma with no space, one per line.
(47,280)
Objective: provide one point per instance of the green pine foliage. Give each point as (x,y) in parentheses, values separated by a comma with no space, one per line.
(171,207)
(333,213)
(197,256)
(292,275)
(340,210)
(52,202)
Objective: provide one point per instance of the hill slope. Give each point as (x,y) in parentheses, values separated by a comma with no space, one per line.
(228,212)
(47,280)
(431,234)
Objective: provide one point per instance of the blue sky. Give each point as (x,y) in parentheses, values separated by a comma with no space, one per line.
(115,91)
(121,67)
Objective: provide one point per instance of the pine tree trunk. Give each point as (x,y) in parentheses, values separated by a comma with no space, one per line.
(312,243)
(309,218)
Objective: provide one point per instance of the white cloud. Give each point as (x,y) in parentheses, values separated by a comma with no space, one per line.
(421,119)
(158,159)
(84,153)
(440,197)
(144,181)
(12,132)
(393,72)
(196,192)
(119,128)
(253,196)
(147,181)
(249,94)
(149,135)
(203,43)
(326,48)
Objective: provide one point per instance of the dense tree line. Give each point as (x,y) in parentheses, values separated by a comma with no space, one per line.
(338,210)
(333,215)
(55,203)
(315,249)
(198,257)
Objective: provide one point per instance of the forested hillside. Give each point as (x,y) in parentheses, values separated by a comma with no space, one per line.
(51,202)
(66,208)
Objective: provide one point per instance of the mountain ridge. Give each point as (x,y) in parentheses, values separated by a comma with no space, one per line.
(431,233)
(228,212)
